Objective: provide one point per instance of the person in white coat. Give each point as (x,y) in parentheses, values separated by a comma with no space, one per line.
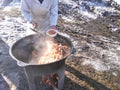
(41,14)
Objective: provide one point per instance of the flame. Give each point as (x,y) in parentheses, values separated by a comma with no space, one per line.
(51,79)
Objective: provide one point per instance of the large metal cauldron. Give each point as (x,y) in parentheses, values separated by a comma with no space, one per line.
(22,49)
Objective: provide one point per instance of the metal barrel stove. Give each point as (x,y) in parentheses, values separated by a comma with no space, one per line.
(35,73)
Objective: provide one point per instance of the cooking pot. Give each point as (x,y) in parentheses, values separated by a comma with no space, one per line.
(22,49)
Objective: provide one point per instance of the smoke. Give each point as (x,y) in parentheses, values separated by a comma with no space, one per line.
(40,42)
(40,46)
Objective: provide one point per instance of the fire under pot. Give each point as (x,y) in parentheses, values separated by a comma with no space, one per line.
(42,75)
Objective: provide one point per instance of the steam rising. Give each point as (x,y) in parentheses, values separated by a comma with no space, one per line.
(47,50)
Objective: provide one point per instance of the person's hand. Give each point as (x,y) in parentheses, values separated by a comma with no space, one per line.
(35,25)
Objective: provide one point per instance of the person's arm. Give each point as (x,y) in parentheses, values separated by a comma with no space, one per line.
(54,14)
(25,11)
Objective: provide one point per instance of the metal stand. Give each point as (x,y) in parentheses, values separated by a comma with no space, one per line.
(34,76)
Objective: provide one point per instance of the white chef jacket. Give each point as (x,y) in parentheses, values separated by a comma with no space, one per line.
(52,5)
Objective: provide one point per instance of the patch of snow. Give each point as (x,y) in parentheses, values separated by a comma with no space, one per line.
(118,1)
(89,15)
(7,3)
(68,19)
(113,58)
(96,64)
(115,74)
(70,2)
(100,63)
(10,8)
(118,48)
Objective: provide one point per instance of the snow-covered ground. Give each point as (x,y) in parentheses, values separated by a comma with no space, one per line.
(118,1)
(99,52)
(99,8)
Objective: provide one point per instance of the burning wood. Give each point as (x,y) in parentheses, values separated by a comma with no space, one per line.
(51,79)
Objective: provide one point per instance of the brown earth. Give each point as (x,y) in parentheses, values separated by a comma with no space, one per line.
(78,76)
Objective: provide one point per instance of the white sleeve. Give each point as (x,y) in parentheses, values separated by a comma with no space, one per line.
(54,13)
(25,10)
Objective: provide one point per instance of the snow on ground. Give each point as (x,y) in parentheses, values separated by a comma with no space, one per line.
(118,1)
(8,31)
(111,59)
